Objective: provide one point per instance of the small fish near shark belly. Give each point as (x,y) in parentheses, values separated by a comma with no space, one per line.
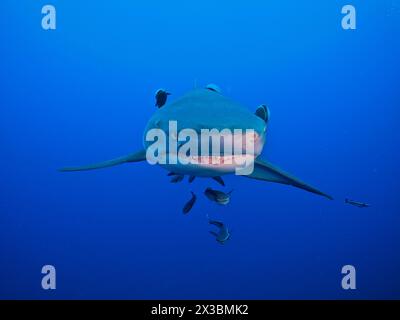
(218,197)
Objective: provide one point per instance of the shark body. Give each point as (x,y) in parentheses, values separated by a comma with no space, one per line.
(209,109)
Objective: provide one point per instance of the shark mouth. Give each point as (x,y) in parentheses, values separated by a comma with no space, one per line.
(240,164)
(217,161)
(215,150)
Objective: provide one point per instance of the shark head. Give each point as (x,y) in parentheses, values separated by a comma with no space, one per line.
(217,134)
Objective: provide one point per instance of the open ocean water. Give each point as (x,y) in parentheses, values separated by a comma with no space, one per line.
(84,92)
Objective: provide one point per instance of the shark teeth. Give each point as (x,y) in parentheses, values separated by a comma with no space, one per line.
(221,160)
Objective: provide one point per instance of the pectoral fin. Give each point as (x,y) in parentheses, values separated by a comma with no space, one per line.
(134,157)
(267,172)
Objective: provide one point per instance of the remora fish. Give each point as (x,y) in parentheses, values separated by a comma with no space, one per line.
(223,234)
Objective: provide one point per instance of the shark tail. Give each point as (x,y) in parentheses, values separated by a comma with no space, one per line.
(133,157)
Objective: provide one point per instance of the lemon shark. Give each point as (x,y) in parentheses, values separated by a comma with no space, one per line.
(207,108)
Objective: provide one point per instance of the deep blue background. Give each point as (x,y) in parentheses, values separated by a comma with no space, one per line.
(84,92)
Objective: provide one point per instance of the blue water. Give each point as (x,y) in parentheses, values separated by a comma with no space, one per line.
(84,92)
